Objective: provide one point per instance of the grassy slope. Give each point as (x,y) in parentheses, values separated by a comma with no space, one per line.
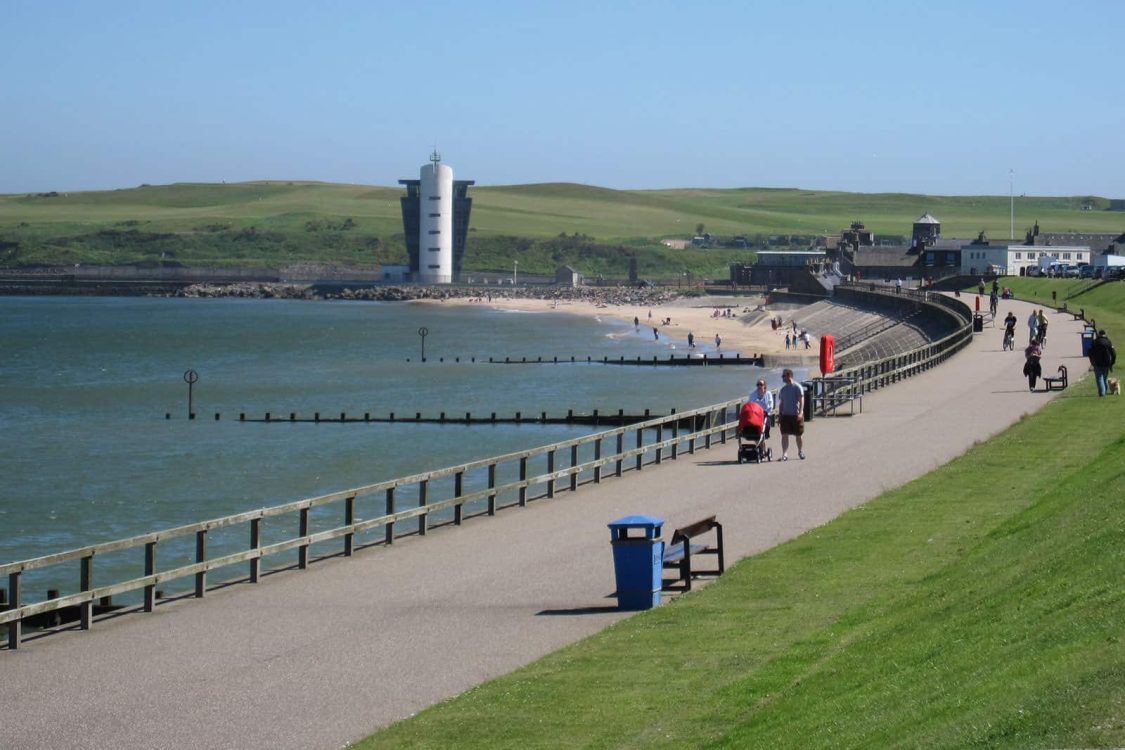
(980,605)
(633,218)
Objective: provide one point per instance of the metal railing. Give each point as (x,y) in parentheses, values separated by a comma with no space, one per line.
(631,447)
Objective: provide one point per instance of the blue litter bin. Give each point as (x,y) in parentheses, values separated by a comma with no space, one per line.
(637,560)
(1087,341)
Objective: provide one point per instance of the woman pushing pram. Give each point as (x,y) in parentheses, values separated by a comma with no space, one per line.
(754,426)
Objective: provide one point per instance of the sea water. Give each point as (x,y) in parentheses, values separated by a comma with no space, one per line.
(87,455)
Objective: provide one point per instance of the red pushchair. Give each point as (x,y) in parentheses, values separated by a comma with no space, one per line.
(753,429)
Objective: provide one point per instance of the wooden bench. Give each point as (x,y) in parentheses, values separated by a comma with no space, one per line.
(1057,383)
(679,553)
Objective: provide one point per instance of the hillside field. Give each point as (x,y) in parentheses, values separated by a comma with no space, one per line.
(273,224)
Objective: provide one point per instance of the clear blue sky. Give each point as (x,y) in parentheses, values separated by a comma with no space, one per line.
(923,97)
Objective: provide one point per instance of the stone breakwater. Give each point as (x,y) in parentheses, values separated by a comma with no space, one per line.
(596,295)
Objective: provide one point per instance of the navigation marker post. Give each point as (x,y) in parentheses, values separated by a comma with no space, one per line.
(423,332)
(191,377)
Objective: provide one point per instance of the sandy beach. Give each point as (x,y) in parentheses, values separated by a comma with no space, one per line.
(747,331)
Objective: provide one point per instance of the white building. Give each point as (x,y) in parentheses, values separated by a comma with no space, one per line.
(1014,260)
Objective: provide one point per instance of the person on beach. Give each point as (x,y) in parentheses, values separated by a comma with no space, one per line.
(791,414)
(1031,366)
(690,340)
(636,323)
(786,342)
(718,342)
(1102,358)
(655,333)
(762,396)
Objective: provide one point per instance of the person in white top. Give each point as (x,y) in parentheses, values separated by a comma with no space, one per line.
(762,396)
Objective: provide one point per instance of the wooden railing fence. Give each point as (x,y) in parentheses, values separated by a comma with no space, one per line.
(651,442)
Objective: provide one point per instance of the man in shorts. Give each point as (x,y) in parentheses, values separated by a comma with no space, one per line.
(791,411)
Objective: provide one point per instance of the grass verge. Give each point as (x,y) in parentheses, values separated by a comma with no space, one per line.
(980,605)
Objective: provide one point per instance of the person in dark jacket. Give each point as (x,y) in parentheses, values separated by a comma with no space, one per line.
(1031,366)
(1103,357)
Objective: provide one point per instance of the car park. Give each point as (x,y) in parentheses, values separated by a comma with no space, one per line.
(1070,272)
(1086,271)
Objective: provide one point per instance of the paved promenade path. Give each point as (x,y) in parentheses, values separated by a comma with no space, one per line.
(317,658)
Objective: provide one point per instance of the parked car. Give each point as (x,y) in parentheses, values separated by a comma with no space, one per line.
(1114,273)
(1085,271)
(1071,272)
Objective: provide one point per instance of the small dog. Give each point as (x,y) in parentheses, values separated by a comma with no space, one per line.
(1114,386)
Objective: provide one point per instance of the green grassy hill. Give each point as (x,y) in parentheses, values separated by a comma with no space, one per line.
(277,223)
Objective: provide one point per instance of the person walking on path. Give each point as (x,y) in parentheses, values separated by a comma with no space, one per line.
(1102,357)
(791,414)
(1033,324)
(762,396)
(1031,366)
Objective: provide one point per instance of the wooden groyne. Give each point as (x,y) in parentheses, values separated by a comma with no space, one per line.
(594,418)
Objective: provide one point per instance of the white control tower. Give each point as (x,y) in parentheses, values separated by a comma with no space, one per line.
(435,222)
(435,213)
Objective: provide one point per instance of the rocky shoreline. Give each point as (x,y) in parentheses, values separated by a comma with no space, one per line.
(618,295)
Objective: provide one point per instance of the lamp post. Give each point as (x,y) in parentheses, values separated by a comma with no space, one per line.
(516,273)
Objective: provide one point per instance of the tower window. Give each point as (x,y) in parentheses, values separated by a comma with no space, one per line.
(434,216)
(434,266)
(435,231)
(435,249)
(435,197)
